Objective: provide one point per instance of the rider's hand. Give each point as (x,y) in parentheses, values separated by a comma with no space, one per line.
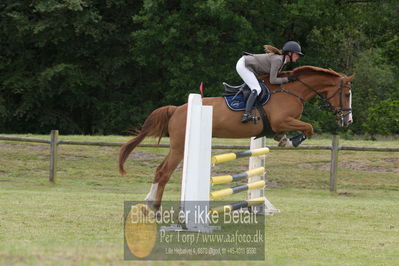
(292,78)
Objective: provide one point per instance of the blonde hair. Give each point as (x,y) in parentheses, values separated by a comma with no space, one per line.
(271,49)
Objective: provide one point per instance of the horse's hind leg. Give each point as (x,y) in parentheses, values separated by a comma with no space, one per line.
(154,187)
(279,136)
(162,175)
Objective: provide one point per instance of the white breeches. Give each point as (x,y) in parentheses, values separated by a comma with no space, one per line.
(247,76)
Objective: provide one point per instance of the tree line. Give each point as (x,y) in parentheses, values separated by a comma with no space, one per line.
(100,67)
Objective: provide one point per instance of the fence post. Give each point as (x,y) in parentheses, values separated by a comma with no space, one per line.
(334,163)
(53,155)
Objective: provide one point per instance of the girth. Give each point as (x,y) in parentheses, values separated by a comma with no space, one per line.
(267,129)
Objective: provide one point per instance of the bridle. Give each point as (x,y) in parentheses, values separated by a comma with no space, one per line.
(337,110)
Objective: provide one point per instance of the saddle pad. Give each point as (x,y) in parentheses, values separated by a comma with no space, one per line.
(237,103)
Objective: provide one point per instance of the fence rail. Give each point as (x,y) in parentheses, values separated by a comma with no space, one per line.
(334,148)
(215,146)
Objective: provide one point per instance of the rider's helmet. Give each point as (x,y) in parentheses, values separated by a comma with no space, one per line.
(292,46)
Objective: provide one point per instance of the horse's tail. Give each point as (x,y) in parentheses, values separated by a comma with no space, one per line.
(155,125)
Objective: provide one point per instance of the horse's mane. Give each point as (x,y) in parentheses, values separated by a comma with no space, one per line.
(303,69)
(310,69)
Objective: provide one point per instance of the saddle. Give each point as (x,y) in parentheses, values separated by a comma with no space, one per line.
(230,90)
(236,98)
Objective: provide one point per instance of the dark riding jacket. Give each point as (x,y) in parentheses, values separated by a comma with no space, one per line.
(261,64)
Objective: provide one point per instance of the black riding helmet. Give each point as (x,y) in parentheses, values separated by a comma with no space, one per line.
(292,46)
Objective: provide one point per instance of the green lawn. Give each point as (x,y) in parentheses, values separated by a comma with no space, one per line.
(79,219)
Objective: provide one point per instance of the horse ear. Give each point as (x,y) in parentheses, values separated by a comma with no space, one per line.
(350,78)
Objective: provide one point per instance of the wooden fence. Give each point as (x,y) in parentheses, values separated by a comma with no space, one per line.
(334,148)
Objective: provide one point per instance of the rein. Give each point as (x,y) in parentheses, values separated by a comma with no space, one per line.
(288,92)
(327,105)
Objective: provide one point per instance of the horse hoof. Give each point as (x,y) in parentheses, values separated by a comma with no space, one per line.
(285,142)
(297,140)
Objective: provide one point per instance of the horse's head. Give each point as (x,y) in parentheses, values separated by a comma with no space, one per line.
(339,97)
(332,87)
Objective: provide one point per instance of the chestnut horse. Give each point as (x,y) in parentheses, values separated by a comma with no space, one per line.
(284,110)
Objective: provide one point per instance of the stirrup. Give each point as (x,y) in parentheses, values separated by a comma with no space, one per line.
(249,117)
(246,118)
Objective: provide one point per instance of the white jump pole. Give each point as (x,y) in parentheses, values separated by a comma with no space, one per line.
(195,188)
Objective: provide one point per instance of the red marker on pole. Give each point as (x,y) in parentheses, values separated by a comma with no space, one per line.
(201,88)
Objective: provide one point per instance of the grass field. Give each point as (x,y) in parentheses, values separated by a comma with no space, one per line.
(79,219)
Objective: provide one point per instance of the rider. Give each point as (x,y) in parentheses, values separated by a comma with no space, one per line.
(250,66)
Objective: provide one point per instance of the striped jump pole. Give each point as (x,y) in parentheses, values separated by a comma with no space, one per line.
(226,157)
(233,190)
(223,179)
(238,205)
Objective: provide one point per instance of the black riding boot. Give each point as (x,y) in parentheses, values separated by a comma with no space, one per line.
(248,108)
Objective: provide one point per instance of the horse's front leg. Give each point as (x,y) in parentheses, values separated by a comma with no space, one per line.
(292,124)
